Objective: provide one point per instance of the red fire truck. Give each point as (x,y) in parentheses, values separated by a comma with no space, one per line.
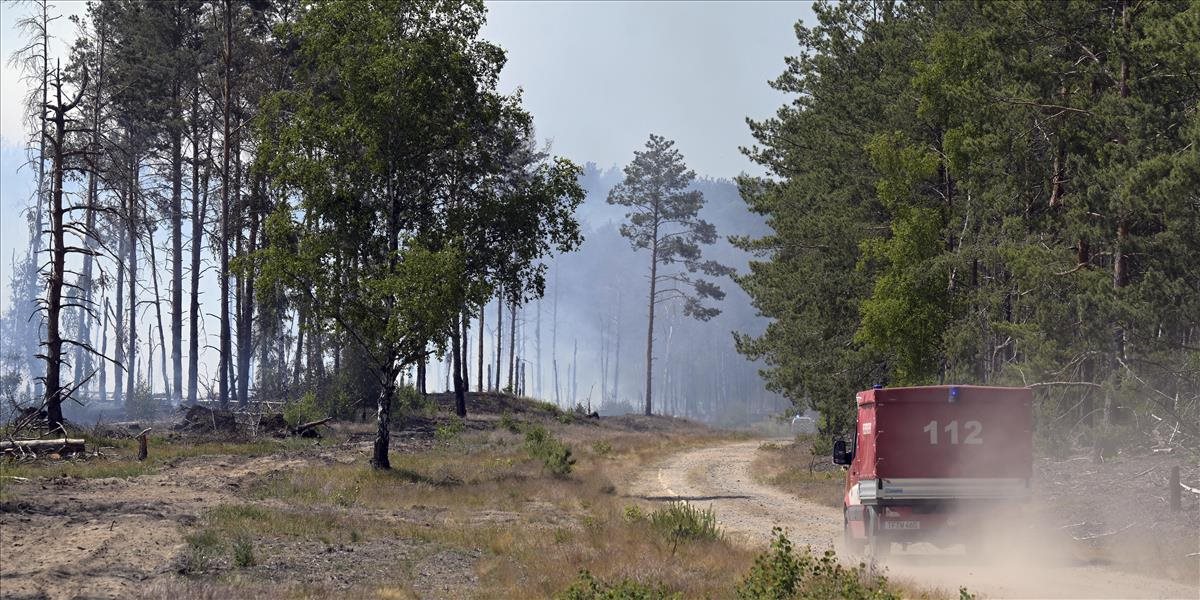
(929,464)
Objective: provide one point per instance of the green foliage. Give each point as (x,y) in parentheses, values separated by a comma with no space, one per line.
(202,547)
(554,454)
(303,410)
(782,573)
(601,448)
(243,552)
(508,422)
(954,196)
(587,587)
(634,514)
(680,521)
(450,430)
(819,445)
(142,404)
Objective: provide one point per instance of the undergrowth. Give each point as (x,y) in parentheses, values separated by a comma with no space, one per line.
(554,454)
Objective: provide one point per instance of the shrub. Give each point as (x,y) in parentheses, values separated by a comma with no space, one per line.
(141,405)
(451,430)
(243,552)
(681,521)
(303,410)
(781,572)
(601,448)
(508,422)
(634,514)
(555,455)
(202,546)
(587,587)
(408,400)
(549,407)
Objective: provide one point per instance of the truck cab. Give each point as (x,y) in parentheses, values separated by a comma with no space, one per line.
(928,463)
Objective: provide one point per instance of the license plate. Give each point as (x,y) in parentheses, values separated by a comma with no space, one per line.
(901,524)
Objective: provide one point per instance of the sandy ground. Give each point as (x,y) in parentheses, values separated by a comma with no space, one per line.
(107,537)
(720,477)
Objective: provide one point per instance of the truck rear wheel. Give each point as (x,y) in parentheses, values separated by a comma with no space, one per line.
(852,546)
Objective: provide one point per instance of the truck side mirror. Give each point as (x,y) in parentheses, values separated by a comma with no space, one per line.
(840,455)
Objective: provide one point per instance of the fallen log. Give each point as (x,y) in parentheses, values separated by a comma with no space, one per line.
(60,445)
(310,429)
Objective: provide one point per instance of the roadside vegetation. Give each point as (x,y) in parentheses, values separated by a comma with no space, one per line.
(801,467)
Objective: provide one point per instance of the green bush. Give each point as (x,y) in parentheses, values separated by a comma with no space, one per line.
(587,587)
(782,573)
(142,404)
(634,514)
(303,410)
(681,521)
(508,422)
(601,448)
(243,552)
(409,401)
(202,546)
(451,430)
(555,455)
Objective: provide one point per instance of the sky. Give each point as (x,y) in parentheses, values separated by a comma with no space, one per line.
(598,77)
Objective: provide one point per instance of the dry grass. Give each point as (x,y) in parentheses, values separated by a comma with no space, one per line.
(794,468)
(110,457)
(536,530)
(465,513)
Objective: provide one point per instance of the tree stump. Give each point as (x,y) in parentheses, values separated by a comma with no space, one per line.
(141,438)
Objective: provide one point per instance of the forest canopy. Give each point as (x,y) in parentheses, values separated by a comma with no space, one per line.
(985,192)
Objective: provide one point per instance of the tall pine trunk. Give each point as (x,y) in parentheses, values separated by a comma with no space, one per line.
(54,342)
(512,347)
(227,107)
(132,216)
(499,335)
(460,392)
(650,320)
(199,209)
(479,375)
(157,310)
(119,324)
(176,387)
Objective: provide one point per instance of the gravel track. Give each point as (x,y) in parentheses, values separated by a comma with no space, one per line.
(720,477)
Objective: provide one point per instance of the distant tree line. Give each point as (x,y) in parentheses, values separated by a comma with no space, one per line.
(348,170)
(986,192)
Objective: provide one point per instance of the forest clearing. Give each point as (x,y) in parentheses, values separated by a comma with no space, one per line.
(464,299)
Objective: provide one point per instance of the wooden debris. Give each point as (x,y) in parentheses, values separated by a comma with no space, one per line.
(309,429)
(141,438)
(57,445)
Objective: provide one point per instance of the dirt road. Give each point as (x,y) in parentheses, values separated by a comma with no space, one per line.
(720,477)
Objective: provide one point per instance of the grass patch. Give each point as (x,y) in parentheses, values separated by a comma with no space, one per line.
(118,457)
(555,456)
(243,552)
(680,521)
(451,430)
(588,587)
(801,468)
(782,572)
